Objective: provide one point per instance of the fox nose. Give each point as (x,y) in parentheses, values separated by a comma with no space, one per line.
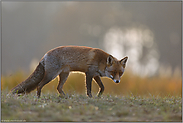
(116,81)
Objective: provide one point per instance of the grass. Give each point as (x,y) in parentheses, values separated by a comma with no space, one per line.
(130,84)
(77,107)
(135,98)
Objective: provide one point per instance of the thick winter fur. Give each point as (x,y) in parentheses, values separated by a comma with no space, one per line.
(95,63)
(31,82)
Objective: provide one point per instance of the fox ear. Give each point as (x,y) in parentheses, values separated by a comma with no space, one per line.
(110,60)
(123,61)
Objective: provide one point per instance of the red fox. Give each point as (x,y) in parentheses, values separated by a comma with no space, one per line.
(94,62)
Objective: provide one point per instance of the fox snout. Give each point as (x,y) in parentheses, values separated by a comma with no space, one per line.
(115,79)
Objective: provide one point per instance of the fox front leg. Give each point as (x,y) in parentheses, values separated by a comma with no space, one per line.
(88,84)
(101,86)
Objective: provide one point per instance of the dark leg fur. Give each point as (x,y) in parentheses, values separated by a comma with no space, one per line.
(99,82)
(88,84)
(41,84)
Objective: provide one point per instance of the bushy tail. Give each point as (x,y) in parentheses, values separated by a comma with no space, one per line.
(31,82)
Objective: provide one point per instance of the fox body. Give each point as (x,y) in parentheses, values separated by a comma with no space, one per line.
(94,62)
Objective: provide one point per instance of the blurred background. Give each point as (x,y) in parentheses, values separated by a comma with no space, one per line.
(149,33)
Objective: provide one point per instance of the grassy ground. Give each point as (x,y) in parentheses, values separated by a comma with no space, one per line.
(77,107)
(160,100)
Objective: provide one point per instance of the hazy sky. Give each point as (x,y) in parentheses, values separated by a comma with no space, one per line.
(148,32)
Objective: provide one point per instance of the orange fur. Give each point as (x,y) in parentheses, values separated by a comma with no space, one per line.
(94,62)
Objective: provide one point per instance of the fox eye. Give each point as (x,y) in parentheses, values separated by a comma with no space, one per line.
(114,73)
(120,73)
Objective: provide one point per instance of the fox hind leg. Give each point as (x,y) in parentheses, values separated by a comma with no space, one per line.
(49,75)
(41,84)
(62,78)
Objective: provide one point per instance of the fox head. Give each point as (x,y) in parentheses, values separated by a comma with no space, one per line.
(115,68)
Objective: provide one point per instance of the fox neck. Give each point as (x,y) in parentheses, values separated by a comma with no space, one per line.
(101,73)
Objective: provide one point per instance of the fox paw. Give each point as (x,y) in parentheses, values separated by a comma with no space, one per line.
(89,95)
